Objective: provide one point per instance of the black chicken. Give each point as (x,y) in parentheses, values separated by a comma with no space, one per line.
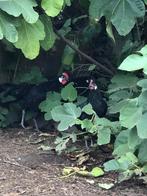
(86,86)
(96,99)
(29,96)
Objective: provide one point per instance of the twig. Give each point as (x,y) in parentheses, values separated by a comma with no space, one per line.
(16,164)
(16,68)
(88,65)
(83,54)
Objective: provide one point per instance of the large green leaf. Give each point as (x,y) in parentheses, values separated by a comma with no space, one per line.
(17,7)
(85,124)
(66,114)
(142,127)
(142,155)
(122,149)
(121,143)
(29,36)
(133,139)
(52,7)
(7,28)
(124,163)
(127,161)
(142,100)
(130,114)
(52,100)
(122,13)
(111,165)
(142,83)
(115,107)
(69,93)
(50,37)
(104,136)
(103,123)
(88,109)
(135,61)
(122,81)
(122,138)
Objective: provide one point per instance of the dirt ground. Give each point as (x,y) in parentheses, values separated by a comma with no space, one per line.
(27,171)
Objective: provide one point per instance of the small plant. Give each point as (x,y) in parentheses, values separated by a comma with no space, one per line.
(68,115)
(128,99)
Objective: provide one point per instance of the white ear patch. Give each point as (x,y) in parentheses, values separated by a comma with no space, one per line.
(60,79)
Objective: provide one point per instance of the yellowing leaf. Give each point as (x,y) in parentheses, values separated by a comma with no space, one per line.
(97,171)
(52,7)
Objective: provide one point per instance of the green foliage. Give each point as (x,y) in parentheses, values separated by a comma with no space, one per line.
(97,171)
(130,144)
(130,114)
(50,37)
(62,142)
(7,29)
(66,115)
(34,76)
(24,25)
(69,93)
(29,25)
(136,61)
(52,7)
(27,32)
(122,14)
(122,88)
(32,34)
(68,56)
(16,8)
(52,100)
(88,109)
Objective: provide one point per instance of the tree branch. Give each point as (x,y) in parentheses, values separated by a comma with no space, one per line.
(90,59)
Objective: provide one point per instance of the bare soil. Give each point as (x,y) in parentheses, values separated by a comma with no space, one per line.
(25,170)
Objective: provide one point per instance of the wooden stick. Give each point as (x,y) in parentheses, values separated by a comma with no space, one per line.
(83,54)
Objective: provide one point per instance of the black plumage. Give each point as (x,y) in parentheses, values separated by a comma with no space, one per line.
(29,96)
(86,86)
(96,99)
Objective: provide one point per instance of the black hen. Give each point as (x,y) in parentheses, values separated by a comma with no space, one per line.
(89,89)
(38,93)
(29,96)
(96,99)
(86,86)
